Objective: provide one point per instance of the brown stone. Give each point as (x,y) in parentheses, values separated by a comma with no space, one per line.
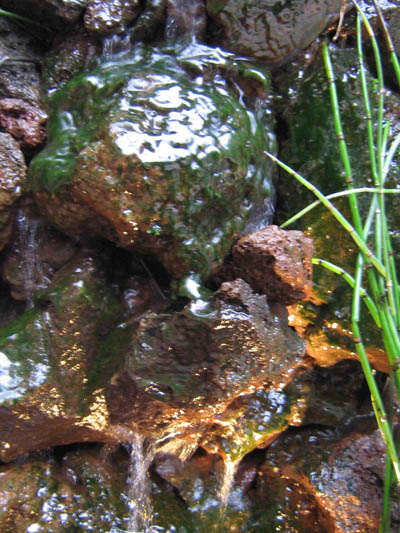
(275,262)
(341,476)
(26,123)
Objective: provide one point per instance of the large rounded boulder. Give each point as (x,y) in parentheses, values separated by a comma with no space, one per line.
(157,152)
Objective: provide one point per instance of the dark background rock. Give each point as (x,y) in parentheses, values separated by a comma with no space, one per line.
(272,32)
(12,177)
(56,13)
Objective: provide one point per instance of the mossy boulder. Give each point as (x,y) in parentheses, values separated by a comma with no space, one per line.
(157,152)
(311,149)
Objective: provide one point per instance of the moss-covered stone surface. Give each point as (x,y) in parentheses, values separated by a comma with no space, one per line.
(155,151)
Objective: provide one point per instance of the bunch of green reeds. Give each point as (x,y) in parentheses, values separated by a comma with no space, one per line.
(375,280)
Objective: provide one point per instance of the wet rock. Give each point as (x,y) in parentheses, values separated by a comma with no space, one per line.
(50,363)
(69,375)
(254,421)
(274,262)
(311,149)
(84,492)
(341,476)
(272,32)
(12,177)
(199,482)
(20,56)
(145,155)
(331,396)
(26,123)
(36,252)
(56,13)
(110,16)
(231,346)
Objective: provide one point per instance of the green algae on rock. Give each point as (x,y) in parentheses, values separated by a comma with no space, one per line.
(157,153)
(311,149)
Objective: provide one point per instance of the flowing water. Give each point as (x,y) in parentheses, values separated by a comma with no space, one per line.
(228,478)
(26,247)
(140,507)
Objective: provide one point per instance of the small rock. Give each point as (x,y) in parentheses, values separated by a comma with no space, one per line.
(26,123)
(110,16)
(274,262)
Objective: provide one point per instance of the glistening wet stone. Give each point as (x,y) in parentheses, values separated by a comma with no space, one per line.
(157,152)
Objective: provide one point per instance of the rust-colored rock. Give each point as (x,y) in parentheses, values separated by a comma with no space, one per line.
(342,476)
(26,123)
(275,262)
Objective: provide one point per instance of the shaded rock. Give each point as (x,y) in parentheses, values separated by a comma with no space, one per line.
(68,57)
(274,262)
(311,149)
(342,476)
(12,177)
(110,16)
(186,19)
(331,396)
(150,21)
(55,13)
(36,252)
(27,124)
(272,32)
(20,56)
(145,155)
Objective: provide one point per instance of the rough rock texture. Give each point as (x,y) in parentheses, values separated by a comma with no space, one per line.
(20,54)
(12,177)
(274,262)
(271,31)
(311,149)
(343,478)
(56,13)
(69,376)
(146,156)
(26,123)
(110,16)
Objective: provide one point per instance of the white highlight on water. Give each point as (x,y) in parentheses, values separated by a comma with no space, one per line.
(230,468)
(139,489)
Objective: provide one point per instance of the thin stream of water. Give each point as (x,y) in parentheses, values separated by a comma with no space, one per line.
(140,507)
(230,468)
